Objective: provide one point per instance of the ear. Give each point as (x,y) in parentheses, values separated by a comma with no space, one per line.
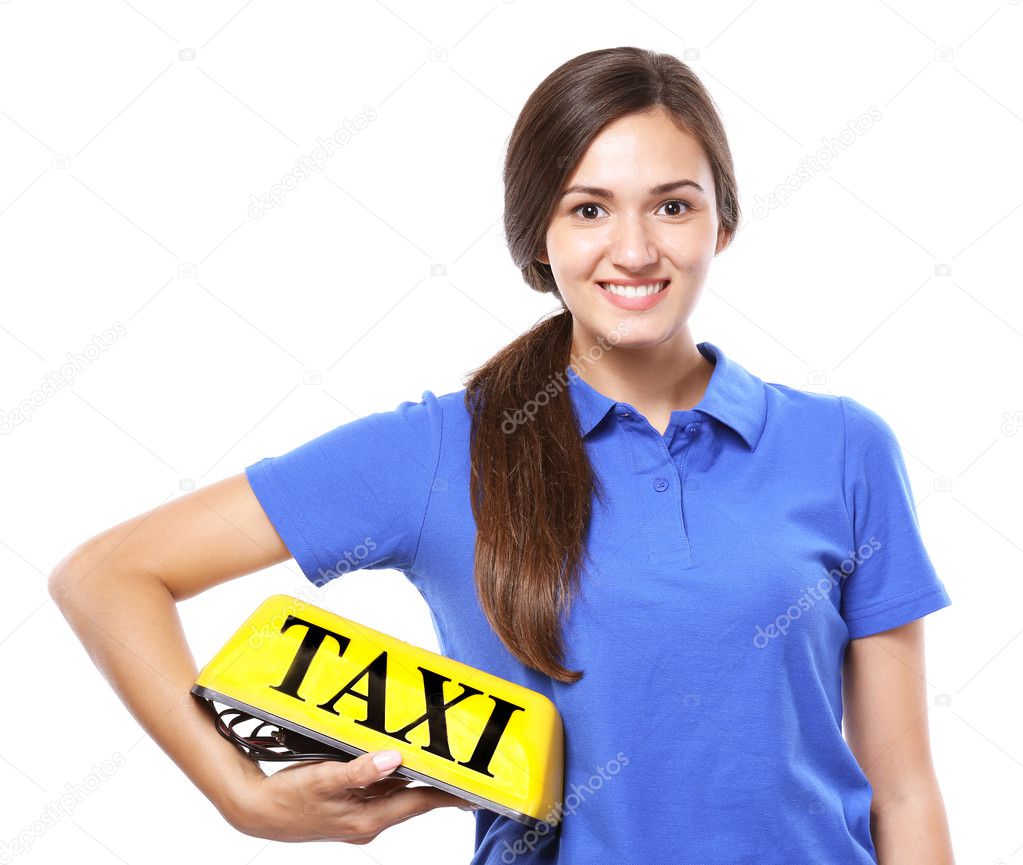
(543,258)
(724,239)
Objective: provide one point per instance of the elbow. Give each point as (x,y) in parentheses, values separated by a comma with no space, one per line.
(96,569)
(923,792)
(54,584)
(64,576)
(79,570)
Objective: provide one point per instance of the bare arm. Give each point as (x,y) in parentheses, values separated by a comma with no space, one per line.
(119,592)
(885,712)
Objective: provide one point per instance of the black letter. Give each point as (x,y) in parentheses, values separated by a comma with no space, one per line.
(433,687)
(304,656)
(375,699)
(492,733)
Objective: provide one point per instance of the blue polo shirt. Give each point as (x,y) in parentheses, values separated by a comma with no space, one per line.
(737,555)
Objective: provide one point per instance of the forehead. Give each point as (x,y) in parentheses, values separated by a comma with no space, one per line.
(642,150)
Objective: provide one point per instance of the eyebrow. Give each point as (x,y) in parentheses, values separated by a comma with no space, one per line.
(655,190)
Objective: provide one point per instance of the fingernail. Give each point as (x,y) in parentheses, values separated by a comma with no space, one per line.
(386,759)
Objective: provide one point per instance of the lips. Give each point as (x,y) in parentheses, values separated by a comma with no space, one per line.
(638,302)
(634,289)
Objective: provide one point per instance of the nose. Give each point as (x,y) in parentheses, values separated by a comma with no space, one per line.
(632,244)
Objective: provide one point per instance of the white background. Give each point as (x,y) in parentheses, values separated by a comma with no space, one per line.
(890,274)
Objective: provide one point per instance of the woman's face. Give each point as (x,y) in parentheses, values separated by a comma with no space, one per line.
(628,227)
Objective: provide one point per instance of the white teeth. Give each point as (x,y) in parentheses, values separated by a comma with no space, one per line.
(633,290)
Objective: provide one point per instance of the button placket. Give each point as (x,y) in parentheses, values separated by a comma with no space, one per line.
(689,434)
(666,530)
(661,485)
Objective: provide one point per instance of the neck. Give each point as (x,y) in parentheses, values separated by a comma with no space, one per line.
(656,380)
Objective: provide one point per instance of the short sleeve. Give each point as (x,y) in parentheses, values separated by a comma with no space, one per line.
(893,580)
(355,497)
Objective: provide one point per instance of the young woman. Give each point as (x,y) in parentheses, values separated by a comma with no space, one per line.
(704,571)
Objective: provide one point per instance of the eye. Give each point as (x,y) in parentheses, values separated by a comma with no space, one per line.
(581,206)
(685,204)
(675,201)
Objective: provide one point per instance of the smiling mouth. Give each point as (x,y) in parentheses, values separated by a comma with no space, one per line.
(634,290)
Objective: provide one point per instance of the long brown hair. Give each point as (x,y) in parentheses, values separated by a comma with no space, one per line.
(531,480)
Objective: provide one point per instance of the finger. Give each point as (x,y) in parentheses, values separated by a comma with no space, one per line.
(385,787)
(403,804)
(465,804)
(359,772)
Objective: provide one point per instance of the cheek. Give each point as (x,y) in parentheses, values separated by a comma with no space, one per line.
(692,254)
(578,295)
(575,248)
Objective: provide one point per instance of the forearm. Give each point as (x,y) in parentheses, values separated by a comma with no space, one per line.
(912,830)
(129,624)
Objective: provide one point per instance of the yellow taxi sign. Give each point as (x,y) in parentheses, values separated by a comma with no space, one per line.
(356,689)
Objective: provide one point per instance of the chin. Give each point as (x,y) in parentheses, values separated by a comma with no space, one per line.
(623,333)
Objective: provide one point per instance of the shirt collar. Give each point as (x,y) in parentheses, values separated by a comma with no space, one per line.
(734,396)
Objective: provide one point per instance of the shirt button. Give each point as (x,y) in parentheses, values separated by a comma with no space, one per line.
(692,428)
(660,484)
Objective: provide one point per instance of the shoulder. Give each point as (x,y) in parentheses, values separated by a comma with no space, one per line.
(816,412)
(434,423)
(864,424)
(412,429)
(427,414)
(870,440)
(795,412)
